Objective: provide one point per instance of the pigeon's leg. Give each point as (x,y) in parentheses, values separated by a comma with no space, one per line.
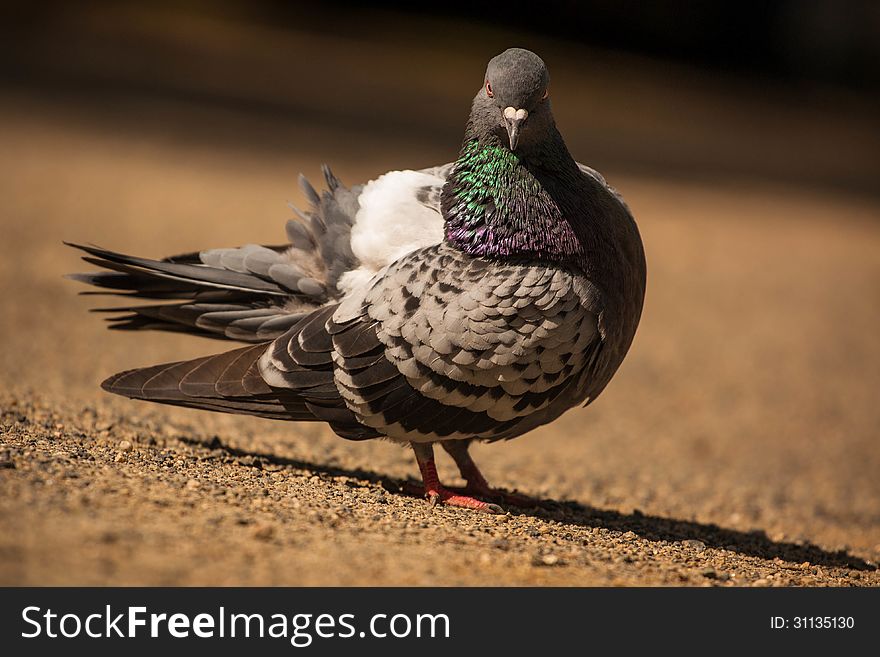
(436,492)
(476,482)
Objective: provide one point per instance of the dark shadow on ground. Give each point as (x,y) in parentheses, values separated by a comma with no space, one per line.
(753,543)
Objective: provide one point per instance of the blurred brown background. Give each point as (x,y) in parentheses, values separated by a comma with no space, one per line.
(746,141)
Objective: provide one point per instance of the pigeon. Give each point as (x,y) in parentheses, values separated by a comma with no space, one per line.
(476,300)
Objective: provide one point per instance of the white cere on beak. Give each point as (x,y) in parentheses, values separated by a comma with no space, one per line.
(514,114)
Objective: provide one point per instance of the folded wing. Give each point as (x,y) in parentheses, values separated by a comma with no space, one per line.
(255,293)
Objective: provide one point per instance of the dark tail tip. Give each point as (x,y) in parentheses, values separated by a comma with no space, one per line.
(333,183)
(107,384)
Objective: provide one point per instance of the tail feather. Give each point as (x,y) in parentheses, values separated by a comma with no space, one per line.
(234,376)
(221,303)
(231,382)
(269,287)
(135,285)
(227,382)
(190,274)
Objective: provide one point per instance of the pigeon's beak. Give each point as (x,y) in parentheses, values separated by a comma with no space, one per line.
(513,120)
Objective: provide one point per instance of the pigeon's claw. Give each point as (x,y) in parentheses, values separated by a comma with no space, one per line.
(477,485)
(451,498)
(437,493)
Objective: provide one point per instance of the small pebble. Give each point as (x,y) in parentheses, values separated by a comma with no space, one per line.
(546,560)
(125,446)
(263,532)
(694,544)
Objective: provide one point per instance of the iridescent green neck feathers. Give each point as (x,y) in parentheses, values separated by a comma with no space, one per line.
(495,205)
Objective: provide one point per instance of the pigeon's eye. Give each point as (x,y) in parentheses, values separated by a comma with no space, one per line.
(546,93)
(489,90)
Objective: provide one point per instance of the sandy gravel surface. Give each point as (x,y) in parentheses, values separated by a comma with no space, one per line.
(738,445)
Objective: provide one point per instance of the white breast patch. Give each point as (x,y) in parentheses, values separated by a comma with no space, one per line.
(390,223)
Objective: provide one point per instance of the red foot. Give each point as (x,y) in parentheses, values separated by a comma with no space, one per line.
(451,498)
(439,494)
(477,485)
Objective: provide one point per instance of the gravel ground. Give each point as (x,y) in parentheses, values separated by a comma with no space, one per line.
(99,496)
(736,447)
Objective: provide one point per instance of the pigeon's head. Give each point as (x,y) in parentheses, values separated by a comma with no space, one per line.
(514,97)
